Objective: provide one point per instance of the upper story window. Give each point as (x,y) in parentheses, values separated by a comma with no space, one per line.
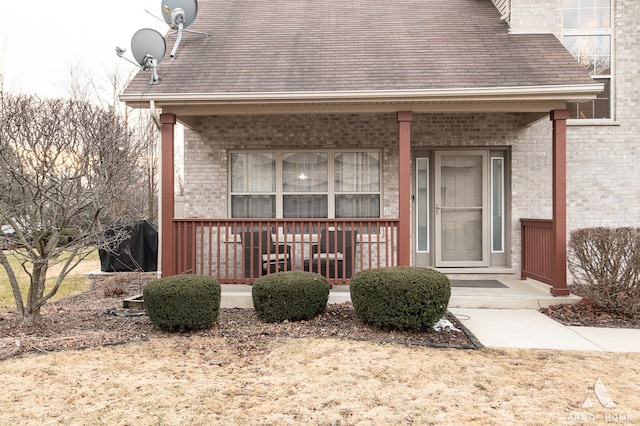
(588,35)
(305,184)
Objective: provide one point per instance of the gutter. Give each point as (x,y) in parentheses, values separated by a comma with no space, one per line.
(515,93)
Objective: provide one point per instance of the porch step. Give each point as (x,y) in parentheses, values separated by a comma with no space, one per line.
(495,272)
(518,294)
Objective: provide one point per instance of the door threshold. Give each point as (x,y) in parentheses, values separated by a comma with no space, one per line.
(495,270)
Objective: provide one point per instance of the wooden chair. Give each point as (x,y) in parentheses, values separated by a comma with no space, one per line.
(262,256)
(333,257)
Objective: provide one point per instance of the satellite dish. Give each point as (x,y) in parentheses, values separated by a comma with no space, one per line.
(148,48)
(179,14)
(176,12)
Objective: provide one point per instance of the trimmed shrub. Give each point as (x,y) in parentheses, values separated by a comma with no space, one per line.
(605,265)
(291,295)
(400,298)
(182,302)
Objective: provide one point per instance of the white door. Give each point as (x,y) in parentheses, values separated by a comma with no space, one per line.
(460,198)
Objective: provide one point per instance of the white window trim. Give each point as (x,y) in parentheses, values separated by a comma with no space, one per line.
(612,70)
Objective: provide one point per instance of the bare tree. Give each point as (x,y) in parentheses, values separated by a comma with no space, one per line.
(145,198)
(142,199)
(65,173)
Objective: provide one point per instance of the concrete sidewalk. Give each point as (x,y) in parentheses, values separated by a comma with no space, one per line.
(530,329)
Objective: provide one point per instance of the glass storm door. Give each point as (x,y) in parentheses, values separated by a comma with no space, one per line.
(460,200)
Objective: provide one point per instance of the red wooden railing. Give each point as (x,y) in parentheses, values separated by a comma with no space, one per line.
(238,251)
(537,249)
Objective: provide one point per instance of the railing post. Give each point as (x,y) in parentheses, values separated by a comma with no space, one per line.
(559,119)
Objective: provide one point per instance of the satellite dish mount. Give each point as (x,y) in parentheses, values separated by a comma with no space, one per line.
(148,48)
(179,14)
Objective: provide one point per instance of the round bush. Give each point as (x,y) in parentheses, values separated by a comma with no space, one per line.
(182,302)
(400,298)
(292,296)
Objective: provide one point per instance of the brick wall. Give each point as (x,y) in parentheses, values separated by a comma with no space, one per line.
(536,15)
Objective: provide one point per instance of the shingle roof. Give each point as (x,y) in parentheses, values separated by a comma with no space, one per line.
(356,45)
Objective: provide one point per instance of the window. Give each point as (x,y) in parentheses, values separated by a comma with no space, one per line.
(497,204)
(357,184)
(253,185)
(305,184)
(588,37)
(422,204)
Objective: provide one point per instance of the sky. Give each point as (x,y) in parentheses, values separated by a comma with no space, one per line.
(41,41)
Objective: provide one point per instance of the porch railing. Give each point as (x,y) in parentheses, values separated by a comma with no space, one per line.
(238,251)
(537,249)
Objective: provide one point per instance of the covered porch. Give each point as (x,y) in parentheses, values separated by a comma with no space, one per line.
(238,251)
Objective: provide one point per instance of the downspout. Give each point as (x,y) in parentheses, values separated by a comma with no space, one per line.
(154,114)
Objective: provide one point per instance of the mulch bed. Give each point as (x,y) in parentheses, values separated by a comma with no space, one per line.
(588,315)
(90,319)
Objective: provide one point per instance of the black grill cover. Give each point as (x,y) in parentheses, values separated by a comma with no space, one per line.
(138,253)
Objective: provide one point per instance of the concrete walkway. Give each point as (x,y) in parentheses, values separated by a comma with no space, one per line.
(530,329)
(502,317)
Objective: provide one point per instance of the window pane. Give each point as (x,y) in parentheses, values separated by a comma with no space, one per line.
(304,172)
(603,17)
(357,205)
(587,14)
(571,18)
(461,237)
(461,184)
(253,172)
(357,172)
(305,206)
(497,204)
(602,104)
(602,55)
(593,52)
(588,18)
(422,203)
(599,108)
(245,206)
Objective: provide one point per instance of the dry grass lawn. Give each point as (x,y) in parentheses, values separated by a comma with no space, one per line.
(184,380)
(73,283)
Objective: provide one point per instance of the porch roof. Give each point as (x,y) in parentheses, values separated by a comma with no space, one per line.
(372,55)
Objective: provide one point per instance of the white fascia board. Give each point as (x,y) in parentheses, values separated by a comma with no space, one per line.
(527,93)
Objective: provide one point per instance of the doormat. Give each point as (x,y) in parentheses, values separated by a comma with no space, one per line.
(477,283)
